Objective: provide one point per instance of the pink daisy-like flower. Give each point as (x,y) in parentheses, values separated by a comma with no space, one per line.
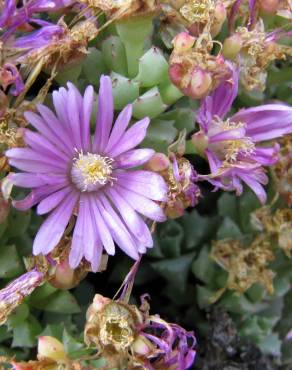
(71,172)
(236,147)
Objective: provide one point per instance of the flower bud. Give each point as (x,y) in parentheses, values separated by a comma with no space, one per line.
(183,42)
(142,346)
(64,277)
(200,142)
(200,84)
(49,347)
(176,73)
(97,305)
(159,162)
(219,18)
(232,46)
(269,7)
(175,210)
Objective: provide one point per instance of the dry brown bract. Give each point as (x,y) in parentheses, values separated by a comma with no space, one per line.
(245,265)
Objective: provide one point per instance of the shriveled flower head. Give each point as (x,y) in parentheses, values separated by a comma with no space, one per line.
(54,44)
(256,50)
(141,340)
(192,67)
(181,178)
(9,76)
(71,172)
(233,145)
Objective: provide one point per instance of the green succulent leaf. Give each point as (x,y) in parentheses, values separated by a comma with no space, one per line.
(160,135)
(125,91)
(149,76)
(228,229)
(114,55)
(175,270)
(10,262)
(93,66)
(149,104)
(25,334)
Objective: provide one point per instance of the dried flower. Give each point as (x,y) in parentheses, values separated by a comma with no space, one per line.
(231,145)
(182,189)
(9,75)
(257,50)
(121,9)
(245,265)
(72,174)
(276,225)
(196,16)
(180,178)
(139,339)
(193,69)
(54,45)
(283,170)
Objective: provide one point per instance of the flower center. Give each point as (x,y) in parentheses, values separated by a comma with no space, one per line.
(91,171)
(229,150)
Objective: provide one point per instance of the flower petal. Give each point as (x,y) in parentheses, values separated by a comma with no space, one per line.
(102,229)
(119,128)
(51,202)
(142,204)
(34,166)
(73,111)
(233,134)
(132,220)
(91,243)
(31,180)
(105,115)
(77,245)
(266,121)
(131,138)
(55,125)
(117,228)
(40,144)
(24,154)
(145,183)
(133,158)
(220,101)
(86,115)
(37,122)
(256,187)
(52,230)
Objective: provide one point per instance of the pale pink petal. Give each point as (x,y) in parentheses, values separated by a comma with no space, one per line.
(52,229)
(51,202)
(132,220)
(105,115)
(133,158)
(102,228)
(86,115)
(119,128)
(131,138)
(142,204)
(29,154)
(38,143)
(117,228)
(145,183)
